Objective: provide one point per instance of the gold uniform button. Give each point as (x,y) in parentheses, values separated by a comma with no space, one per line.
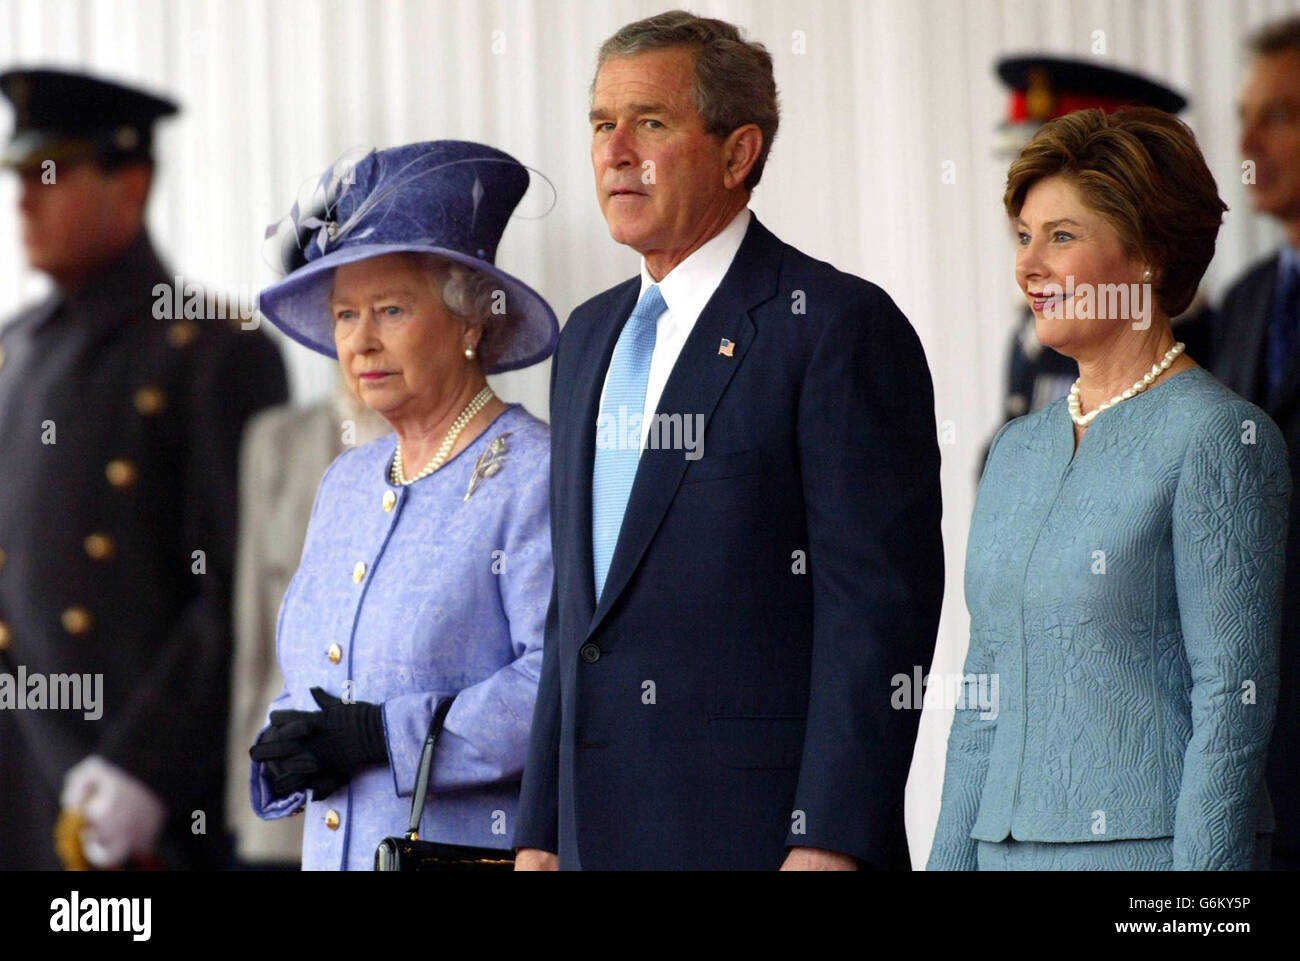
(335,653)
(121,473)
(2,356)
(332,819)
(182,332)
(150,400)
(6,636)
(390,500)
(3,558)
(77,620)
(99,547)
(359,572)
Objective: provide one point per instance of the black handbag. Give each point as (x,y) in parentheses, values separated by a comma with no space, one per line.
(409,853)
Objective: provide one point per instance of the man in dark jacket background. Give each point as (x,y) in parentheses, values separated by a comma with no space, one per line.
(120,424)
(1255,352)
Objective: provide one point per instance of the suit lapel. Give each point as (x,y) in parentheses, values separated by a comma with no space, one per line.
(1284,398)
(1287,394)
(696,383)
(1250,376)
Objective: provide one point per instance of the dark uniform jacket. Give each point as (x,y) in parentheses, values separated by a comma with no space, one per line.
(1238,359)
(119,440)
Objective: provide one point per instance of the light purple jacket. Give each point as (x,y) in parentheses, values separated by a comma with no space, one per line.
(426,594)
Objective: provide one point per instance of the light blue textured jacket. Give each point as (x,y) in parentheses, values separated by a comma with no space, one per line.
(1127,598)
(427,595)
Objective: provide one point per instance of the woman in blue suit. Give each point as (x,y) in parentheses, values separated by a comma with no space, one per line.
(426,571)
(1125,561)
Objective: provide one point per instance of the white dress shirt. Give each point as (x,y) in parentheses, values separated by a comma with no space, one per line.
(685,289)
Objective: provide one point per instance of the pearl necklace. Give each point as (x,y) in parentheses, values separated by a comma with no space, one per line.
(473,407)
(1083,420)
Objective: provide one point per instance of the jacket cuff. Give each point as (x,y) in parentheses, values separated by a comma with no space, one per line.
(266,805)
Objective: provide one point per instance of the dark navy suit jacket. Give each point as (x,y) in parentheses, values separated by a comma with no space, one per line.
(730,695)
(1237,357)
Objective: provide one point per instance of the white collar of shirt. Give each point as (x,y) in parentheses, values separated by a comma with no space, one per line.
(686,289)
(689,285)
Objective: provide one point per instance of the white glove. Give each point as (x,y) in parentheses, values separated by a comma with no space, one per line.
(123,816)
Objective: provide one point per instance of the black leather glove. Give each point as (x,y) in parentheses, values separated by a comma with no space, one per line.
(344,737)
(301,772)
(288,766)
(321,749)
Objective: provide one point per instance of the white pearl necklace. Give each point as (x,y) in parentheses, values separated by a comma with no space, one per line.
(473,407)
(1083,420)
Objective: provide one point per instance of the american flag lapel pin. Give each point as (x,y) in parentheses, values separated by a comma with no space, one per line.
(726,348)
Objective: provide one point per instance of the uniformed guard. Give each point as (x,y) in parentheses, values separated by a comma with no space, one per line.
(120,423)
(1043,88)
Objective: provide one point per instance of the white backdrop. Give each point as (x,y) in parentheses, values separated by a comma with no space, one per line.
(877,96)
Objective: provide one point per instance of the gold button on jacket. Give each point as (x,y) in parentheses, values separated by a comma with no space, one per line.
(182,332)
(99,547)
(390,500)
(359,572)
(332,819)
(77,620)
(150,400)
(6,636)
(121,473)
(335,653)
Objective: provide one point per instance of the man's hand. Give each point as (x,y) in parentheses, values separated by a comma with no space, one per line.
(123,816)
(535,859)
(815,859)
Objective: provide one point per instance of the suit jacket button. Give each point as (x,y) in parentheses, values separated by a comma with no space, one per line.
(332,819)
(390,500)
(99,547)
(4,558)
(335,653)
(6,636)
(589,652)
(77,620)
(121,473)
(359,572)
(2,356)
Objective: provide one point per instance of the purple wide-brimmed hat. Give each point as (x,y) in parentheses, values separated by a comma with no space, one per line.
(451,198)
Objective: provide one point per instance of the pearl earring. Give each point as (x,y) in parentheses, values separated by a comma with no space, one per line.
(469,353)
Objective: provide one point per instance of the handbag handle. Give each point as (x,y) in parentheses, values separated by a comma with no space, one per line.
(425,768)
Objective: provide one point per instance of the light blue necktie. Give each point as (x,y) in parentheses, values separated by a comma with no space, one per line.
(614,468)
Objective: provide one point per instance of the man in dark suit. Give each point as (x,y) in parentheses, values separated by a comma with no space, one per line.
(1255,352)
(745,508)
(119,437)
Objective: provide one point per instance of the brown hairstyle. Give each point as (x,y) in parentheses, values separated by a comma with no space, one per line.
(1141,170)
(734,84)
(1279,36)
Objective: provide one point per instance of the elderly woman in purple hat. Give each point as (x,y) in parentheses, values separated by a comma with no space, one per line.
(426,571)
